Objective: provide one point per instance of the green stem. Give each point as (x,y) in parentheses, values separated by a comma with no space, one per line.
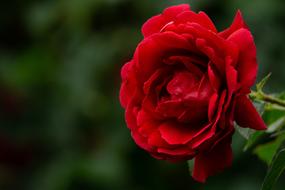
(273,100)
(267,98)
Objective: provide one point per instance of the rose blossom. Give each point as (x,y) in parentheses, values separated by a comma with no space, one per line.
(186,85)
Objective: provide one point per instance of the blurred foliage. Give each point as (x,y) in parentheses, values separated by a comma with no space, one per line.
(275,170)
(269,145)
(62,127)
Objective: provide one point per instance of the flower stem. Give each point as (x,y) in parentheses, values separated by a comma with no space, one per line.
(260,96)
(273,100)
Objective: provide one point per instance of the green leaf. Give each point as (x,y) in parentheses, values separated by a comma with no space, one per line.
(272,114)
(260,85)
(266,152)
(282,96)
(276,125)
(253,139)
(190,165)
(244,132)
(259,106)
(273,117)
(274,171)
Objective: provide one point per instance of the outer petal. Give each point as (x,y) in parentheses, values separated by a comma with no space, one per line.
(128,84)
(210,44)
(247,63)
(152,50)
(237,24)
(124,95)
(208,164)
(156,23)
(173,11)
(176,152)
(154,139)
(200,18)
(141,141)
(246,114)
(173,133)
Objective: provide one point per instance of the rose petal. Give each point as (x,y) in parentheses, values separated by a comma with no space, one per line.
(126,69)
(210,163)
(132,110)
(156,23)
(130,116)
(200,18)
(157,76)
(215,78)
(147,128)
(141,141)
(209,130)
(195,115)
(246,114)
(174,133)
(211,53)
(231,75)
(176,151)
(212,106)
(124,95)
(219,44)
(156,140)
(170,109)
(247,63)
(224,134)
(175,10)
(183,84)
(143,116)
(168,154)
(203,135)
(212,45)
(191,62)
(237,24)
(232,82)
(190,110)
(128,86)
(152,50)
(205,90)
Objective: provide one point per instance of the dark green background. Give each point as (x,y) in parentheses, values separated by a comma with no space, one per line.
(61,125)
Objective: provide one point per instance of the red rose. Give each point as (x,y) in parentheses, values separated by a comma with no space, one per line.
(186,85)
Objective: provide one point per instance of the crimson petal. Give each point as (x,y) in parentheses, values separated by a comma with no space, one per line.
(210,163)
(151,51)
(246,114)
(247,63)
(237,24)
(173,133)
(156,23)
(200,18)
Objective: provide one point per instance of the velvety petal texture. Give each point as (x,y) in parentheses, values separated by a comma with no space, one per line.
(185,87)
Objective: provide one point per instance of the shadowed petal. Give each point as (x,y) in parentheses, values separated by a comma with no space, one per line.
(173,133)
(210,163)
(247,63)
(246,114)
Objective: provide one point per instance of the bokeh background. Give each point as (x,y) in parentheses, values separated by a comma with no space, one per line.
(61,124)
